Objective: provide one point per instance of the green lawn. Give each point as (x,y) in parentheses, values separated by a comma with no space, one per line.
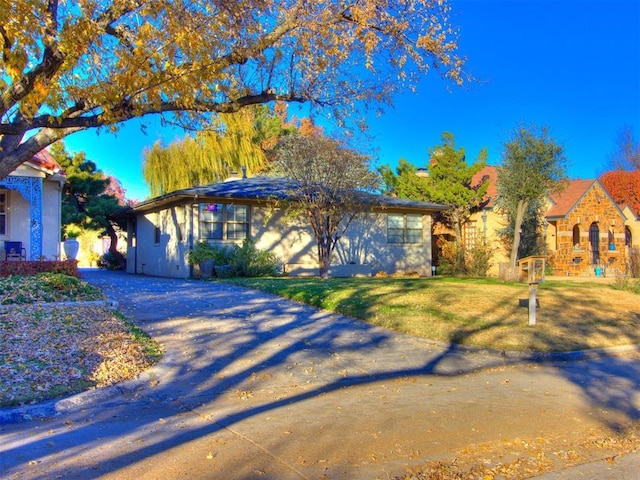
(482,312)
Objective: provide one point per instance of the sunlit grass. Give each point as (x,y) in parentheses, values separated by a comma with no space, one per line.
(475,311)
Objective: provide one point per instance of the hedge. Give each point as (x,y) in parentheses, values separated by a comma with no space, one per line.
(24,268)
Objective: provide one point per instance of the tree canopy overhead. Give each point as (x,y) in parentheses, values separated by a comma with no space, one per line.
(71,65)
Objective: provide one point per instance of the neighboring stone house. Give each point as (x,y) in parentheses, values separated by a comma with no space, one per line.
(587,233)
(30,210)
(394,237)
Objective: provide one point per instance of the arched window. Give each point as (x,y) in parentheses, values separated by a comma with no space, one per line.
(576,237)
(628,238)
(594,240)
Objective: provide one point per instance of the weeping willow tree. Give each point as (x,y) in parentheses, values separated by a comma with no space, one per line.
(236,140)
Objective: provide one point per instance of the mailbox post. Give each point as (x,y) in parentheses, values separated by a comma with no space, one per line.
(532,269)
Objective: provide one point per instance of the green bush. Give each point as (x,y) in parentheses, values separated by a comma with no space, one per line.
(111,261)
(478,260)
(202,252)
(236,260)
(249,261)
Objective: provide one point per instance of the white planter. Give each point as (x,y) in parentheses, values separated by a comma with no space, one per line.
(71,247)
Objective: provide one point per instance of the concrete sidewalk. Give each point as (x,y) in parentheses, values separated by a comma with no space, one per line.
(254,386)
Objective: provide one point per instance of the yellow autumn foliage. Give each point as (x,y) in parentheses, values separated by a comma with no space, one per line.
(76,64)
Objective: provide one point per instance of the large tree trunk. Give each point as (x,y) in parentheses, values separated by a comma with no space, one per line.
(324,258)
(460,247)
(113,246)
(520,211)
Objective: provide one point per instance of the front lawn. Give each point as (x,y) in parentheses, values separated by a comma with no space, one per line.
(481,312)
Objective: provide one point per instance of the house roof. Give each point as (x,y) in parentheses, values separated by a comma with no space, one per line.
(564,201)
(263,189)
(491,173)
(44,161)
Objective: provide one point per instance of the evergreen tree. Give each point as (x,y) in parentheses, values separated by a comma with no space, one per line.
(449,182)
(86,205)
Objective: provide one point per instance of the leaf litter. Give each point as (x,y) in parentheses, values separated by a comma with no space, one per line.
(52,351)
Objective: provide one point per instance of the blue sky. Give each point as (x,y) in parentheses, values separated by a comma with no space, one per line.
(571,65)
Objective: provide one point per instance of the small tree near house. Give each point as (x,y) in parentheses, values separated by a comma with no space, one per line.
(533,166)
(333,183)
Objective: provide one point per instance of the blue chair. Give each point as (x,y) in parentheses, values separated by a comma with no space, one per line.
(14,251)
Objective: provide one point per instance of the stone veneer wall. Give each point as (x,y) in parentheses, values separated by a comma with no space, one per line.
(595,207)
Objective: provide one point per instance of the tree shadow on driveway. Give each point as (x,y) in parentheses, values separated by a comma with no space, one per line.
(233,355)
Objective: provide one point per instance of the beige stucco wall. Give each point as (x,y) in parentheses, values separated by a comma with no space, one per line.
(292,241)
(494,223)
(365,242)
(633,224)
(166,258)
(51,218)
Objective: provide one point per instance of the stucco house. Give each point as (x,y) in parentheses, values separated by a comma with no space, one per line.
(30,210)
(586,232)
(395,236)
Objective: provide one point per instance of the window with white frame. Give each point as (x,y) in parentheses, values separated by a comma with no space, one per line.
(3,213)
(404,228)
(223,221)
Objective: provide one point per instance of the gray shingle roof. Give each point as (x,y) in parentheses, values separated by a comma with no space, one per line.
(262,189)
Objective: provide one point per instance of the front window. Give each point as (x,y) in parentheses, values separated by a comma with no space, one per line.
(220,221)
(404,228)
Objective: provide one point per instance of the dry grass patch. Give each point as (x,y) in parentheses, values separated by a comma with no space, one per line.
(50,351)
(481,312)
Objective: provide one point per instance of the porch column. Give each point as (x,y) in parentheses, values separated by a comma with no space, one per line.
(31,189)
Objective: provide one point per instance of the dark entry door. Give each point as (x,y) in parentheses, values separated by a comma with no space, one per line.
(594,241)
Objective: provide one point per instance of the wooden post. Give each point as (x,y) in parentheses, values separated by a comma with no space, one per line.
(533,287)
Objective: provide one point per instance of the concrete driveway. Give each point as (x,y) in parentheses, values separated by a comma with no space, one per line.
(254,386)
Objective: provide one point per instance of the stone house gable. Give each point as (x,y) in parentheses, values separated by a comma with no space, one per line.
(586,232)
